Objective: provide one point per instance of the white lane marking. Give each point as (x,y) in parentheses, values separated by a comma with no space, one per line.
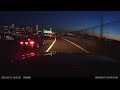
(76,45)
(51,46)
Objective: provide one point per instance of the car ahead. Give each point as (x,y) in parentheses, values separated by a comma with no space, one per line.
(32,41)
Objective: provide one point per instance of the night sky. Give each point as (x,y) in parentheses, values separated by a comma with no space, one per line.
(63,20)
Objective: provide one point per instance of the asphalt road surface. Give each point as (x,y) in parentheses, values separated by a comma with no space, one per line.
(73,45)
(62,45)
(68,45)
(109,48)
(63,65)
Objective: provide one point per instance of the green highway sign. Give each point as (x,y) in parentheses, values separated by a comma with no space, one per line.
(47,31)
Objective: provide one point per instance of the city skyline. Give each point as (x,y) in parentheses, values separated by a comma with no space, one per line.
(60,19)
(63,21)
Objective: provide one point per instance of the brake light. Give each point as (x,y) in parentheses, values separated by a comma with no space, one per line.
(26,43)
(21,42)
(31,42)
(28,39)
(32,54)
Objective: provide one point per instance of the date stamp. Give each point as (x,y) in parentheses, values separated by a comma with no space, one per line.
(15,77)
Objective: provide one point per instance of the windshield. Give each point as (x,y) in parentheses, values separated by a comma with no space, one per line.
(67,39)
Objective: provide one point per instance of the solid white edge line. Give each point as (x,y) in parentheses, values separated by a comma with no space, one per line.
(51,46)
(76,45)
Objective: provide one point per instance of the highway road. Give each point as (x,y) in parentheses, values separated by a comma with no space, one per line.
(65,46)
(68,44)
(71,65)
(59,44)
(109,48)
(74,45)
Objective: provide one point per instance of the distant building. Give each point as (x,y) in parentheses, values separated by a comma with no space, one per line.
(5,28)
(36,27)
(12,26)
(27,28)
(17,29)
(50,29)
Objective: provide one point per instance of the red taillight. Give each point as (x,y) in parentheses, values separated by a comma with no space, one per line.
(21,42)
(32,54)
(28,39)
(31,42)
(26,43)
